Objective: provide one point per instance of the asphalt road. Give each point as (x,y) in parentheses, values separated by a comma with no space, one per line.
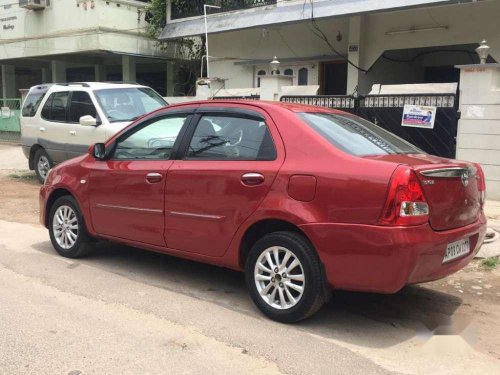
(127,311)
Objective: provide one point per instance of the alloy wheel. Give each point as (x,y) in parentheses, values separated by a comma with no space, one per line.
(43,166)
(279,277)
(65,227)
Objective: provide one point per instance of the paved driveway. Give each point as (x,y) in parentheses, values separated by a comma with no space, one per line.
(124,310)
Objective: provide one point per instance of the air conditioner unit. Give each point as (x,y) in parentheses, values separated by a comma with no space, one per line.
(34,4)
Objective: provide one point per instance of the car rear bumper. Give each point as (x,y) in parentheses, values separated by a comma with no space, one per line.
(385,259)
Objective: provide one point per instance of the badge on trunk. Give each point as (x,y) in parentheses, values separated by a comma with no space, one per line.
(465,178)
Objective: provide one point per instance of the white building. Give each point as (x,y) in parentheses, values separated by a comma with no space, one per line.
(77,40)
(391,41)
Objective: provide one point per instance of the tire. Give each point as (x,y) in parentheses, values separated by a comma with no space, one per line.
(75,242)
(42,164)
(290,304)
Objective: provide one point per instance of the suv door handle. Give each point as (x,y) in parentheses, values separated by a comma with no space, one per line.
(42,129)
(252,178)
(154,178)
(72,132)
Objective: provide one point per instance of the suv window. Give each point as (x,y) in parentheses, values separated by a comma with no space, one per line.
(81,105)
(151,142)
(55,107)
(357,136)
(231,138)
(33,100)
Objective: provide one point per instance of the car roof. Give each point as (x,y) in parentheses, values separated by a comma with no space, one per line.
(263,104)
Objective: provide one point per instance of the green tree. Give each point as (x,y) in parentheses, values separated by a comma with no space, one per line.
(187,51)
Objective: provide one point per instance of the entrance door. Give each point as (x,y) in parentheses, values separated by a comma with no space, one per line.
(333,78)
(228,169)
(127,192)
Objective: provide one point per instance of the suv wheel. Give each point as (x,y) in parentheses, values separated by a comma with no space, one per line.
(284,277)
(42,164)
(67,229)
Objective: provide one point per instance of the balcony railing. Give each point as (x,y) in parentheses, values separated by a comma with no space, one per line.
(193,8)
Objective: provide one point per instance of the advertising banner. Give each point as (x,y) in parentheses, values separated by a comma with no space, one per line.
(418,116)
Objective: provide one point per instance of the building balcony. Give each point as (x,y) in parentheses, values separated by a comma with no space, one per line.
(186,9)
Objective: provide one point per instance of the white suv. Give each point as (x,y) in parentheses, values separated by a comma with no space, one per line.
(60,121)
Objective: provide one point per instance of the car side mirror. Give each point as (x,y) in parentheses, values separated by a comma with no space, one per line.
(88,121)
(98,151)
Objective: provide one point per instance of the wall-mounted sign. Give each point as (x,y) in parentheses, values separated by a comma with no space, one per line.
(418,116)
(8,26)
(353,47)
(7,19)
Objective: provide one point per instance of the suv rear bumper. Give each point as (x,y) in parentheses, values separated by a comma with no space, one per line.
(385,259)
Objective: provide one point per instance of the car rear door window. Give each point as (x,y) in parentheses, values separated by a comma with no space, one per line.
(153,141)
(355,135)
(81,105)
(231,138)
(55,107)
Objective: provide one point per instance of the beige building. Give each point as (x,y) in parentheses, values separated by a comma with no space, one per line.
(77,40)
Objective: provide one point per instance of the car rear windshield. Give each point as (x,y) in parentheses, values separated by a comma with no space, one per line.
(356,136)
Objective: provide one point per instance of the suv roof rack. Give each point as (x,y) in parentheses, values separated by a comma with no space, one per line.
(123,82)
(83,84)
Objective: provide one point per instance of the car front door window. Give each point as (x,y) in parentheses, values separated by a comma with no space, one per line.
(154,141)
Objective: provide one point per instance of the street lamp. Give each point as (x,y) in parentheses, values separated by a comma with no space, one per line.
(275,64)
(483,51)
(205,6)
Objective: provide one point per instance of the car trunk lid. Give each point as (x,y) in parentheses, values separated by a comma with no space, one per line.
(451,188)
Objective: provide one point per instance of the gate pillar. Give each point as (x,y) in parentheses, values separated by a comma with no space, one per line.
(478,136)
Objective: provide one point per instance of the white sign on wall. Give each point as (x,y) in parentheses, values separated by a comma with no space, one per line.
(418,116)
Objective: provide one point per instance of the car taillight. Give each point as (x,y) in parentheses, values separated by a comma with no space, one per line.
(405,203)
(481,184)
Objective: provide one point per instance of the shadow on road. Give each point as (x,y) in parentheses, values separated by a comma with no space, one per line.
(364,319)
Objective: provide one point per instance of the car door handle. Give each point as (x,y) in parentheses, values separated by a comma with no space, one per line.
(154,178)
(72,132)
(42,129)
(252,178)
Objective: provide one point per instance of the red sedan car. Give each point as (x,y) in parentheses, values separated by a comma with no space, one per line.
(303,199)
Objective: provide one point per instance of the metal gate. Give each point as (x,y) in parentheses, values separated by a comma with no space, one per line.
(10,113)
(387,112)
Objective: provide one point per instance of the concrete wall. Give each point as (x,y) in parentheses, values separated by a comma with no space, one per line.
(479,126)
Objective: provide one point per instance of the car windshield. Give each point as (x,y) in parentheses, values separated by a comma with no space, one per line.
(127,104)
(357,136)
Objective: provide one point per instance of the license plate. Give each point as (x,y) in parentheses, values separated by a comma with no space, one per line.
(456,250)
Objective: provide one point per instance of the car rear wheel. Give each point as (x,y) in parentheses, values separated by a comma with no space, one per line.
(42,164)
(284,277)
(67,229)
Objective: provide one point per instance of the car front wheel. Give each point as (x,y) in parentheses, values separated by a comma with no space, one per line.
(67,229)
(284,277)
